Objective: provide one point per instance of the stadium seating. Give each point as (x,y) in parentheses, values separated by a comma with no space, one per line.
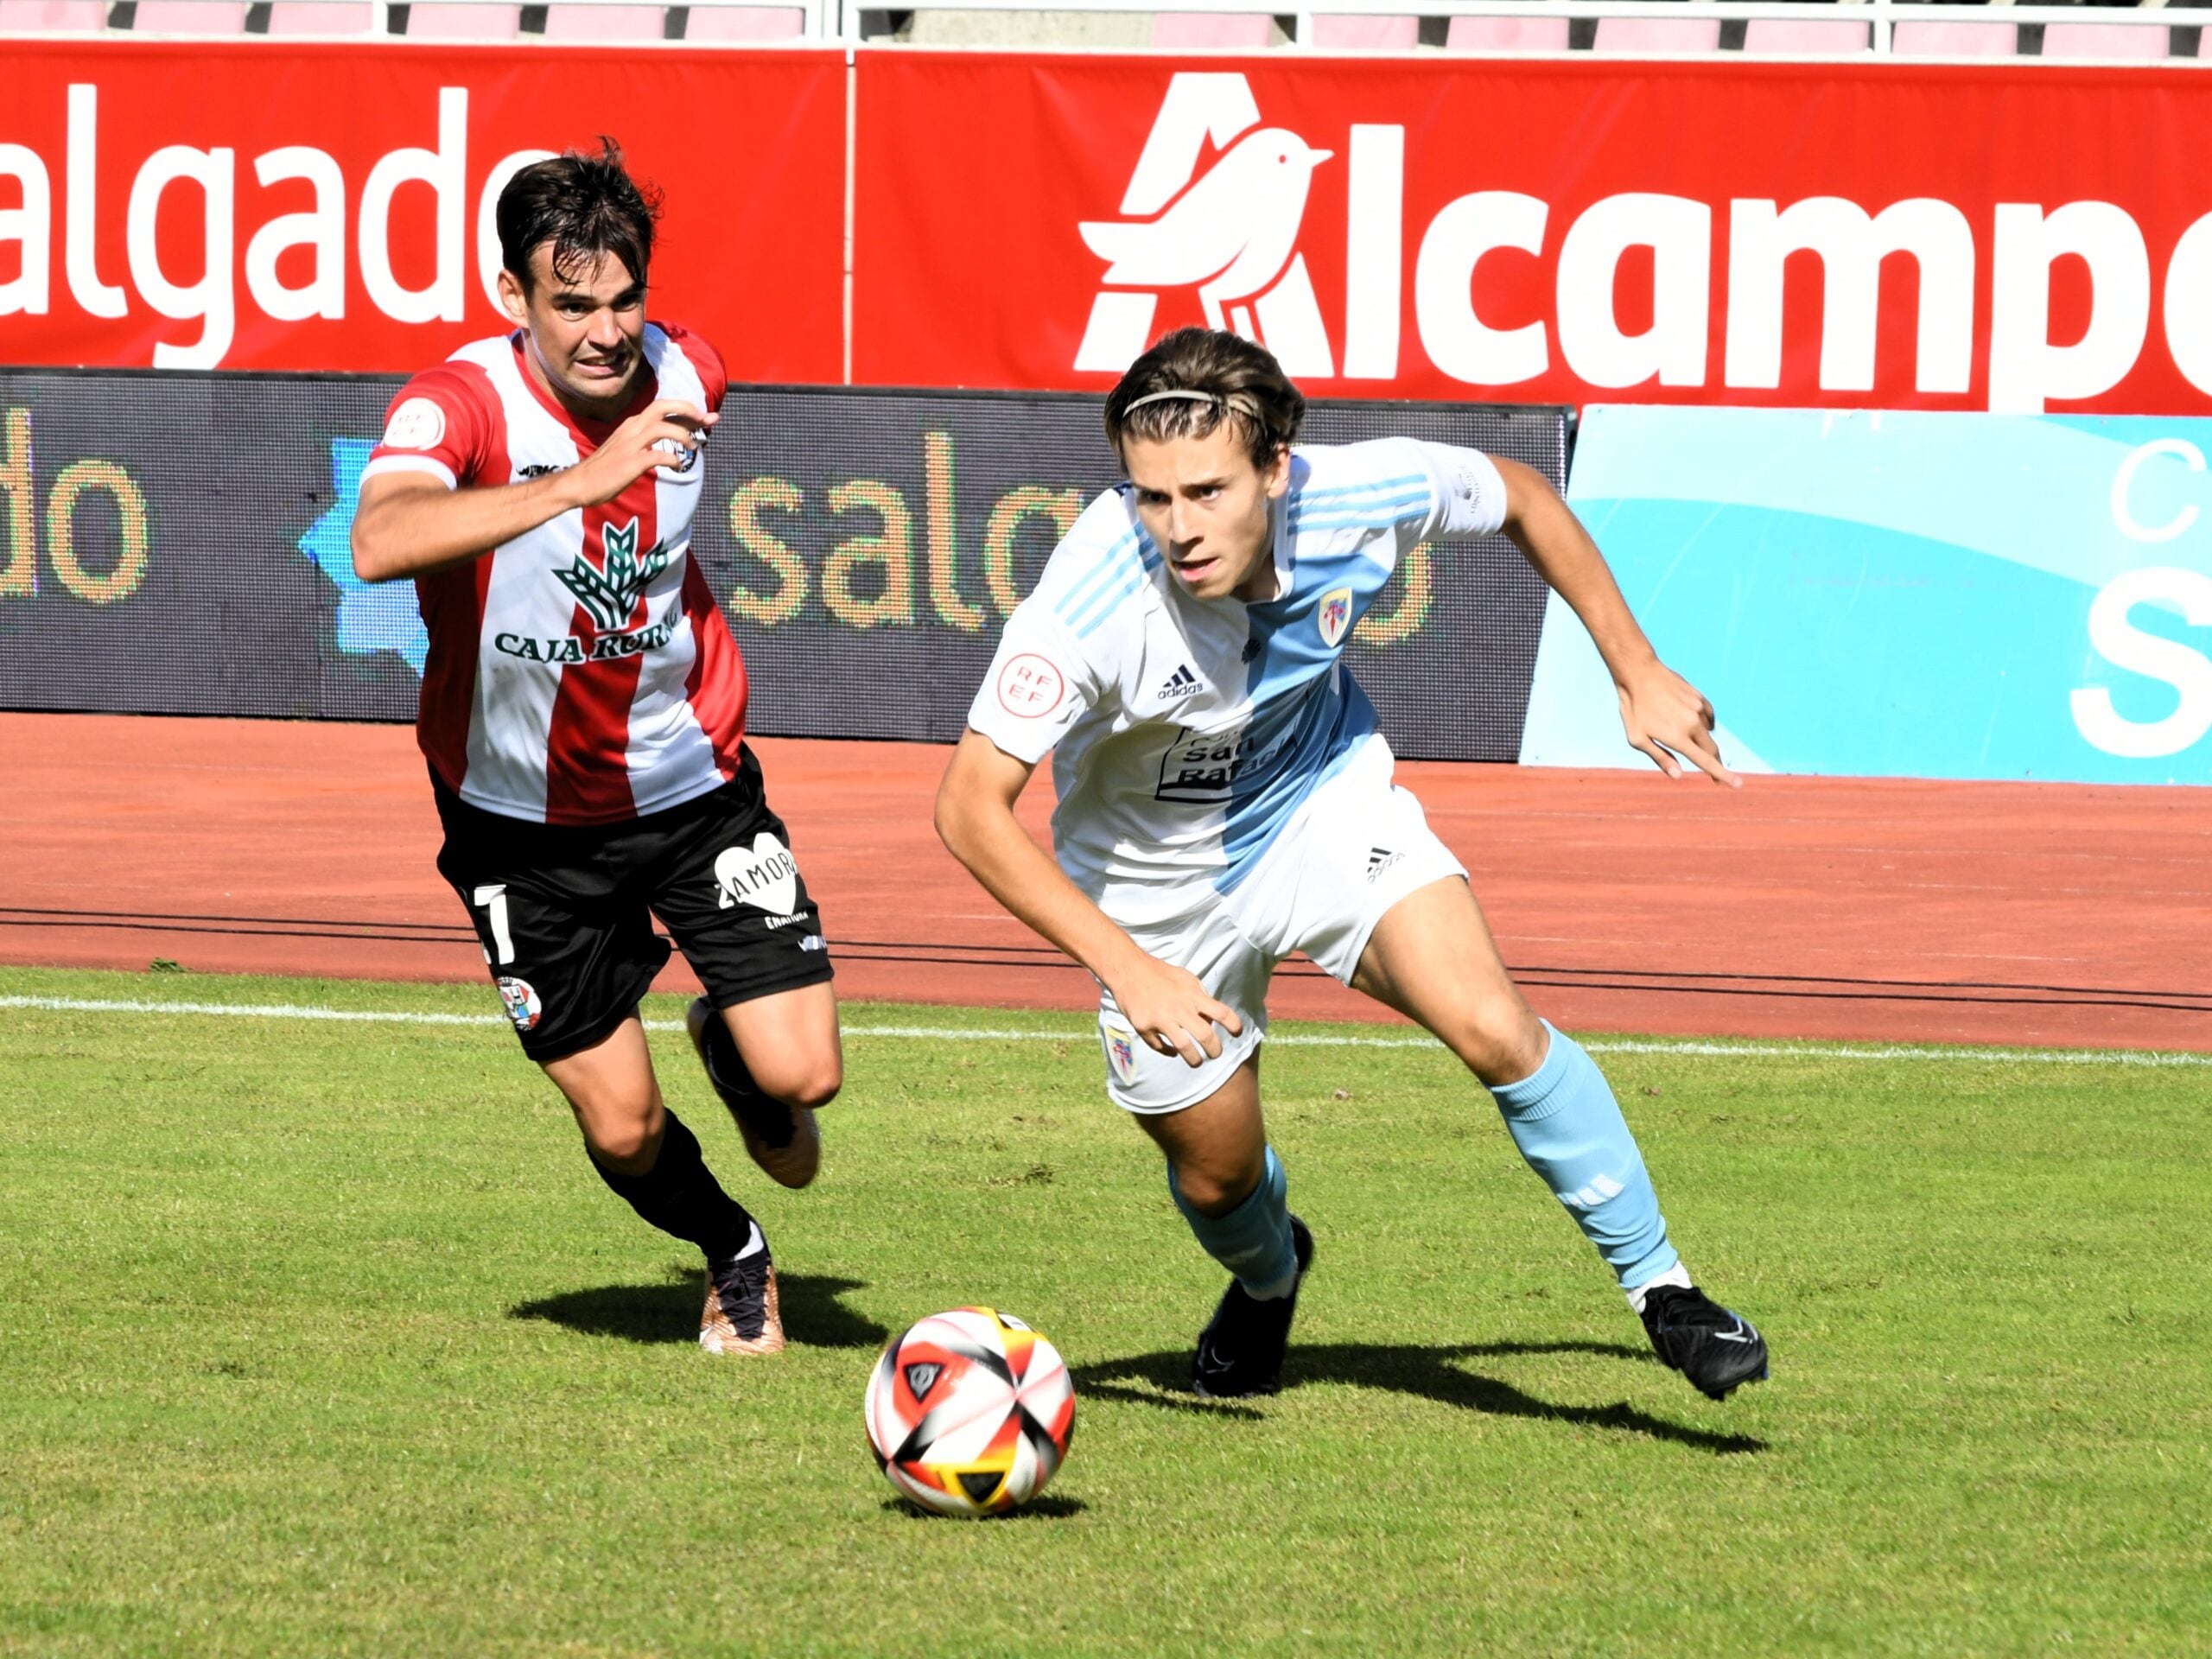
(2104,41)
(1674,36)
(1805,37)
(584,21)
(463,22)
(744,24)
(1507,35)
(1825,31)
(1212,28)
(1953,40)
(1334,32)
(47,16)
(297,17)
(191,17)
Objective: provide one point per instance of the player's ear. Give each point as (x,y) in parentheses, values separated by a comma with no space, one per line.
(513,300)
(1276,473)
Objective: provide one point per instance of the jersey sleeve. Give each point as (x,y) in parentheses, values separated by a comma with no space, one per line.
(441,424)
(1466,492)
(1039,683)
(713,376)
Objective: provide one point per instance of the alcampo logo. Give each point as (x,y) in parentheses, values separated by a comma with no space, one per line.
(1232,234)
(610,595)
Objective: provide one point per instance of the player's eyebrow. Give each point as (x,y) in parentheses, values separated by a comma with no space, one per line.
(629,295)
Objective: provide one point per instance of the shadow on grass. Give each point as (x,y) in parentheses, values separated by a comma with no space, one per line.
(1432,1373)
(813,1317)
(1050,1506)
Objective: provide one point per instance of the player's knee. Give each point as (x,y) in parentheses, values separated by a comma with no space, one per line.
(1500,1042)
(803,1083)
(627,1148)
(818,1087)
(1215,1190)
(623,1134)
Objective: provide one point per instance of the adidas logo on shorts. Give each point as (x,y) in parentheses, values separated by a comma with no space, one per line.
(1380,859)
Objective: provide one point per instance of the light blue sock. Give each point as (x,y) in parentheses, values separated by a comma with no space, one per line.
(1253,1240)
(1569,1127)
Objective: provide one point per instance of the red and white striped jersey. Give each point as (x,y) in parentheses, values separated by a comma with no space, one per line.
(581,673)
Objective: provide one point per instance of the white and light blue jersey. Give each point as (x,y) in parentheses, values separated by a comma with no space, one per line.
(1187,733)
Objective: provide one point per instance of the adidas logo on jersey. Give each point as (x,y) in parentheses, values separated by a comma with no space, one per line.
(1181,684)
(1380,859)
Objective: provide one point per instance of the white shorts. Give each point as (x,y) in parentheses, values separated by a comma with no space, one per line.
(1357,846)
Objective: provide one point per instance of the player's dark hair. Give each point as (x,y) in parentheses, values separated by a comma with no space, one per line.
(1240,382)
(585,205)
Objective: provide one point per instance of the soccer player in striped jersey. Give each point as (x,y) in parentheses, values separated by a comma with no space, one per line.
(1226,799)
(583,715)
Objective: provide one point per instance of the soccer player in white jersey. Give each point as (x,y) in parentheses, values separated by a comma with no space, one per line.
(1225,799)
(583,716)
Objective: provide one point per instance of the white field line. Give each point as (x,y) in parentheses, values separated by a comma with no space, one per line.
(954,1033)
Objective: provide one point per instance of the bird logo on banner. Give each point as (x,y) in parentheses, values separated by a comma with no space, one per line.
(1232,234)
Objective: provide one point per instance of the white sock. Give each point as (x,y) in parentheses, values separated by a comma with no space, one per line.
(1678,1276)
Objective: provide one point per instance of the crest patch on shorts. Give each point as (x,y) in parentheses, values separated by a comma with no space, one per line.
(523,1005)
(1121,1051)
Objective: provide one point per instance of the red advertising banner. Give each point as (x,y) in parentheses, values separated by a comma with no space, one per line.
(1880,234)
(254,206)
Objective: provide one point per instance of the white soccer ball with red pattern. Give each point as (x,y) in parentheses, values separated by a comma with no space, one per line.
(970,1412)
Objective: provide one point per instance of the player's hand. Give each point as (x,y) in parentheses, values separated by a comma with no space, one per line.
(1171,1012)
(664,434)
(1667,717)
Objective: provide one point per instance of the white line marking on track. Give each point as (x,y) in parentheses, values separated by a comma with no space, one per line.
(1691,1047)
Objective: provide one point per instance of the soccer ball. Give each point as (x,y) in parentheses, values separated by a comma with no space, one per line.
(970,1412)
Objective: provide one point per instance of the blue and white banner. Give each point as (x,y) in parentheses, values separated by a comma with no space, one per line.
(1902,594)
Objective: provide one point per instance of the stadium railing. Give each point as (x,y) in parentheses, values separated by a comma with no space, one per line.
(1831,30)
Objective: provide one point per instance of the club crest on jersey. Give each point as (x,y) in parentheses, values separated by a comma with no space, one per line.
(610,593)
(764,875)
(686,461)
(1335,615)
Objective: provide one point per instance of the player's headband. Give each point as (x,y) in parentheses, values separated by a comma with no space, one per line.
(1242,403)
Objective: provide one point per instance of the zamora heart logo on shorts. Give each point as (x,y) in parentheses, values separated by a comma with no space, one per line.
(764,875)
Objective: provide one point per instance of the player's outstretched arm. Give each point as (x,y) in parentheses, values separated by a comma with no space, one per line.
(1664,715)
(1167,1006)
(410,524)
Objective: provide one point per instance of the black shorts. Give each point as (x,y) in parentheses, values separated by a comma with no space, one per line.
(565,912)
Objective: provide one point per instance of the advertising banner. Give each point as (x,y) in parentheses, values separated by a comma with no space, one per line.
(1880,234)
(1914,595)
(179,544)
(256,206)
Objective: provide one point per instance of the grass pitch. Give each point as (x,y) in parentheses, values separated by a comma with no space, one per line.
(319,1337)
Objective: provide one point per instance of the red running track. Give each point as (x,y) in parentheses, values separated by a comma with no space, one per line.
(1882,910)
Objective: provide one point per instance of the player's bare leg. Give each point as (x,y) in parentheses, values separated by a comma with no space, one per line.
(1217,1148)
(774,1060)
(611,1089)
(650,1158)
(1431,957)
(1229,1185)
